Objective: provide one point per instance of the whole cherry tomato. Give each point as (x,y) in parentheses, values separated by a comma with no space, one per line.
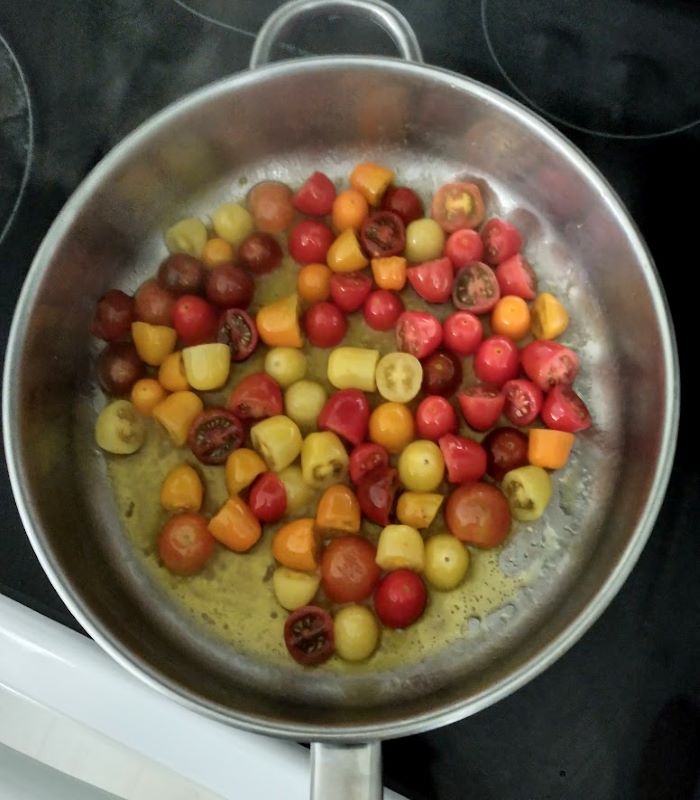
(260,253)
(255,397)
(366,457)
(506,449)
(185,544)
(325,325)
(435,417)
(153,303)
(549,364)
(181,274)
(501,241)
(113,316)
(400,598)
(462,333)
(564,410)
(316,195)
(442,373)
(463,247)
(350,290)
(382,310)
(376,492)
(309,241)
(194,319)
(481,406)
(432,280)
(346,413)
(418,333)
(497,360)
(478,514)
(404,202)
(348,569)
(268,498)
(229,286)
(523,401)
(465,459)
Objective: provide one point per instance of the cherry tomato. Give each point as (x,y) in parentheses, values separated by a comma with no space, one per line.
(462,333)
(348,569)
(325,325)
(270,203)
(501,241)
(194,319)
(268,498)
(404,202)
(316,196)
(435,417)
(400,598)
(463,247)
(309,241)
(314,283)
(214,435)
(506,449)
(346,413)
(119,367)
(458,205)
(229,286)
(523,401)
(376,492)
(382,310)
(478,513)
(350,290)
(113,316)
(185,544)
(549,364)
(181,274)
(442,373)
(564,410)
(516,276)
(153,303)
(481,406)
(308,634)
(465,459)
(383,234)
(255,397)
(260,253)
(238,331)
(418,333)
(366,457)
(496,361)
(475,288)
(432,280)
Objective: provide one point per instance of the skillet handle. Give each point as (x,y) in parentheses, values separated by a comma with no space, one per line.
(346,771)
(386,16)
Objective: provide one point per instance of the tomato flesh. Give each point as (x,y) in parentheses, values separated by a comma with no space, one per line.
(349,572)
(418,333)
(308,635)
(458,205)
(383,234)
(523,401)
(476,288)
(214,435)
(239,332)
(564,410)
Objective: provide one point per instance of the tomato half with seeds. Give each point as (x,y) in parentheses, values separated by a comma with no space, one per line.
(564,410)
(418,333)
(257,396)
(523,401)
(350,290)
(432,280)
(404,202)
(316,195)
(478,514)
(501,241)
(214,435)
(481,406)
(549,364)
(349,572)
(376,492)
(475,288)
(516,276)
(366,457)
(383,234)
(268,498)
(458,205)
(506,449)
(308,635)
(442,373)
(185,544)
(238,331)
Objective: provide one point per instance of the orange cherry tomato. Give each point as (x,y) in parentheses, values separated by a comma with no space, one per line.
(278,323)
(314,283)
(389,272)
(349,210)
(511,317)
(295,545)
(372,180)
(338,511)
(549,448)
(391,425)
(235,525)
(146,393)
(216,252)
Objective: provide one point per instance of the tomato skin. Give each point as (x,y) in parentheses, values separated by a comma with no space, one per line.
(549,364)
(348,569)
(239,332)
(501,241)
(400,598)
(268,498)
(463,247)
(119,367)
(316,195)
(382,310)
(255,397)
(564,410)
(516,276)
(465,459)
(383,234)
(214,435)
(523,401)
(153,303)
(229,286)
(481,406)
(349,291)
(475,288)
(506,449)
(114,314)
(462,333)
(366,457)
(376,492)
(185,544)
(309,241)
(308,635)
(478,514)
(404,202)
(432,280)
(325,325)
(260,253)
(346,413)
(496,360)
(181,274)
(271,206)
(450,203)
(435,417)
(418,333)
(194,319)
(442,373)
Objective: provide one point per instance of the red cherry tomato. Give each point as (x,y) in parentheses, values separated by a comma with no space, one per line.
(238,331)
(348,569)
(442,373)
(523,401)
(435,417)
(346,413)
(383,234)
(501,241)
(549,364)
(376,492)
(185,544)
(458,205)
(181,274)
(153,303)
(432,280)
(119,367)
(194,319)
(516,276)
(268,498)
(462,333)
(214,435)
(309,241)
(308,634)
(229,286)
(463,247)
(350,291)
(475,288)
(255,397)
(465,459)
(481,406)
(506,449)
(382,310)
(404,202)
(564,410)
(325,325)
(316,196)
(366,457)
(418,333)
(260,253)
(496,360)
(113,316)
(478,513)
(400,598)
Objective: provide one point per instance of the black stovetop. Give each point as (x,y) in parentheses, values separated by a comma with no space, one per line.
(619,715)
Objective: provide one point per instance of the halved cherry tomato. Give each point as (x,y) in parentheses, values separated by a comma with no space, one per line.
(308,634)
(458,205)
(350,290)
(481,406)
(238,331)
(338,512)
(185,544)
(548,448)
(404,202)
(325,325)
(366,457)
(506,449)
(316,195)
(400,598)
(465,459)
(496,361)
(113,316)
(346,413)
(418,333)
(523,401)
(255,397)
(549,364)
(309,241)
(475,288)
(462,333)
(383,234)
(194,319)
(435,417)
(501,241)
(479,514)
(372,180)
(389,273)
(516,276)
(348,570)
(564,410)
(382,309)
(442,373)
(463,247)
(268,498)
(214,435)
(376,492)
(259,253)
(432,280)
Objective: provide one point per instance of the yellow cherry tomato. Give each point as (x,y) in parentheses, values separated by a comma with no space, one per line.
(295,545)
(391,425)
(421,466)
(399,377)
(207,366)
(303,402)
(294,589)
(511,317)
(324,460)
(425,240)
(177,413)
(353,368)
(528,490)
(286,365)
(418,509)
(399,547)
(119,428)
(446,561)
(216,252)
(338,511)
(146,394)
(299,493)
(549,317)
(187,236)
(371,180)
(314,283)
(232,222)
(356,633)
(182,489)
(349,210)
(153,342)
(345,254)
(171,373)
(278,440)
(278,323)
(389,272)
(242,467)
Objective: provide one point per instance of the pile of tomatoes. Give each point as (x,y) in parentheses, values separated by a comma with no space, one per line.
(378,445)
